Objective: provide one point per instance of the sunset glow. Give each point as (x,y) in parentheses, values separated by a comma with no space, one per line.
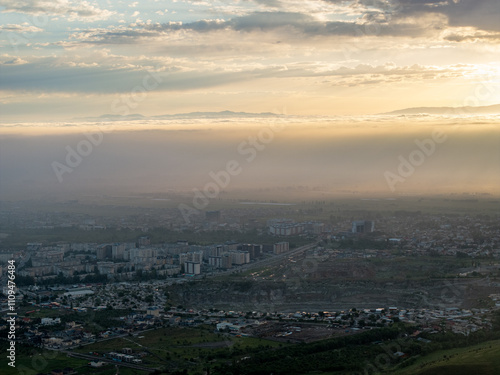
(208,75)
(65,59)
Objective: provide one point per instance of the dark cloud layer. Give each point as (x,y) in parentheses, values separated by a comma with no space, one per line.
(278,21)
(481,14)
(379,18)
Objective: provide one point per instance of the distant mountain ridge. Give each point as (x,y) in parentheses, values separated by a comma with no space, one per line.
(211,115)
(484,110)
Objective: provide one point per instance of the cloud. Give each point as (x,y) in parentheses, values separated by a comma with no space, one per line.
(472,35)
(481,14)
(287,26)
(72,10)
(15,61)
(302,47)
(365,74)
(293,22)
(270,3)
(55,75)
(106,73)
(20,29)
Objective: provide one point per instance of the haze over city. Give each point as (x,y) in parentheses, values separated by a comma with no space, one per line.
(331,156)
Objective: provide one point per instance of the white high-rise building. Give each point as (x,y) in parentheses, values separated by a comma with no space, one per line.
(192,268)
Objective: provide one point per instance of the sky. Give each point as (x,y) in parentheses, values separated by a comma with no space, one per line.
(326,67)
(65,59)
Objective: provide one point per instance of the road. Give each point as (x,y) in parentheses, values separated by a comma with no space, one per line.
(275,259)
(94,358)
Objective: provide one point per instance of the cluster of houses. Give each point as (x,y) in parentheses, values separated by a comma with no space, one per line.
(126,356)
(446,235)
(74,333)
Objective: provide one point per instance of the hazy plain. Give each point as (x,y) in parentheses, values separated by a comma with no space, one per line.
(386,156)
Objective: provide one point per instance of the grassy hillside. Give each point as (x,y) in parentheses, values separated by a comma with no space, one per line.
(482,359)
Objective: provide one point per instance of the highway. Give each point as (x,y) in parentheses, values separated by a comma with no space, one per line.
(271,261)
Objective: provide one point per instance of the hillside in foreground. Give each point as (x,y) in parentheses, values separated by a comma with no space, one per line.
(481,359)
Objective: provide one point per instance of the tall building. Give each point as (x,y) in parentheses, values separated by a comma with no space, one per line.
(54,256)
(285,229)
(216,251)
(192,268)
(144,241)
(106,268)
(240,257)
(281,247)
(215,261)
(227,261)
(363,226)
(141,255)
(255,251)
(183,258)
(195,256)
(118,251)
(103,252)
(314,227)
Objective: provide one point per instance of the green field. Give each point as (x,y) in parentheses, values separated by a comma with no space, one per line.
(192,350)
(31,361)
(169,348)
(482,359)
